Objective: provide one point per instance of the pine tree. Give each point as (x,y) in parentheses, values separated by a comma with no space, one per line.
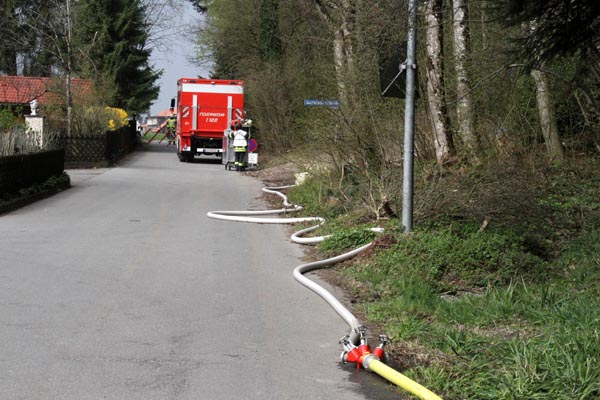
(112,35)
(561,27)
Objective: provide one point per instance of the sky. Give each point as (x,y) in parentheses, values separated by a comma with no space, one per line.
(174,60)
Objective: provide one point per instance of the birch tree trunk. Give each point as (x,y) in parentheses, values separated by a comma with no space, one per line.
(545,107)
(337,14)
(444,147)
(340,63)
(547,116)
(464,108)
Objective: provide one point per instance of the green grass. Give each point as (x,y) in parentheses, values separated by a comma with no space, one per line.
(160,136)
(346,239)
(313,196)
(519,339)
(511,311)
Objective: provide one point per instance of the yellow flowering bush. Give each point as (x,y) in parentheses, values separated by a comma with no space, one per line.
(98,119)
(117,117)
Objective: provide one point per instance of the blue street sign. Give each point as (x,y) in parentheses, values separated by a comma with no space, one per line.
(326,103)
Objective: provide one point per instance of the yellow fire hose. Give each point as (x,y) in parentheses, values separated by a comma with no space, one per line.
(373,364)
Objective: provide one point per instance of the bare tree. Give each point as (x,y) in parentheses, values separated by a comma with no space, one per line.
(545,108)
(338,14)
(547,116)
(68,61)
(434,69)
(464,108)
(53,29)
(163,19)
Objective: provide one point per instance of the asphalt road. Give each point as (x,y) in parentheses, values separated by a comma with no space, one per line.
(122,288)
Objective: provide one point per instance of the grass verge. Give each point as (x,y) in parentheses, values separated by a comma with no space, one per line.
(500,312)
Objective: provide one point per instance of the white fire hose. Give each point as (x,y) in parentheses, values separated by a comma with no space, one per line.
(354,344)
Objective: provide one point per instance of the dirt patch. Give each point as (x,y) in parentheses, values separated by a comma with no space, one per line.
(277,175)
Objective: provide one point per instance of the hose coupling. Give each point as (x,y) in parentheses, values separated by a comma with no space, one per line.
(363,347)
(361,330)
(378,351)
(367,359)
(346,343)
(352,353)
(347,346)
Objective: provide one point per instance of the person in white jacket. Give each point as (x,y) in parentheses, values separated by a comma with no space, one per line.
(240,145)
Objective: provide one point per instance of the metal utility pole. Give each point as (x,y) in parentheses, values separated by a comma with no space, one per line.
(409,119)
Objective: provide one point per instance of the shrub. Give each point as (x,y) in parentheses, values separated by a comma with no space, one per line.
(96,120)
(117,117)
(7,119)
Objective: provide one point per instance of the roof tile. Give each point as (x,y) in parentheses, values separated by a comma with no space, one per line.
(23,89)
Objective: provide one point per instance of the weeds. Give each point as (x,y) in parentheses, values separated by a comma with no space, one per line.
(317,199)
(528,339)
(511,311)
(344,239)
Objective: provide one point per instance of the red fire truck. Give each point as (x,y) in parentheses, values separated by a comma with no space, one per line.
(205,108)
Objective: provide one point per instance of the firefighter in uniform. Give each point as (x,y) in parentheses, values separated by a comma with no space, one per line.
(171,126)
(240,145)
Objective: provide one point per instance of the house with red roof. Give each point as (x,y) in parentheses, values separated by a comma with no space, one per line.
(159,120)
(20,91)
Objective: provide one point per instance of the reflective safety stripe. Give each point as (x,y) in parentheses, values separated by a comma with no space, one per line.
(238,114)
(195,112)
(229,106)
(239,149)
